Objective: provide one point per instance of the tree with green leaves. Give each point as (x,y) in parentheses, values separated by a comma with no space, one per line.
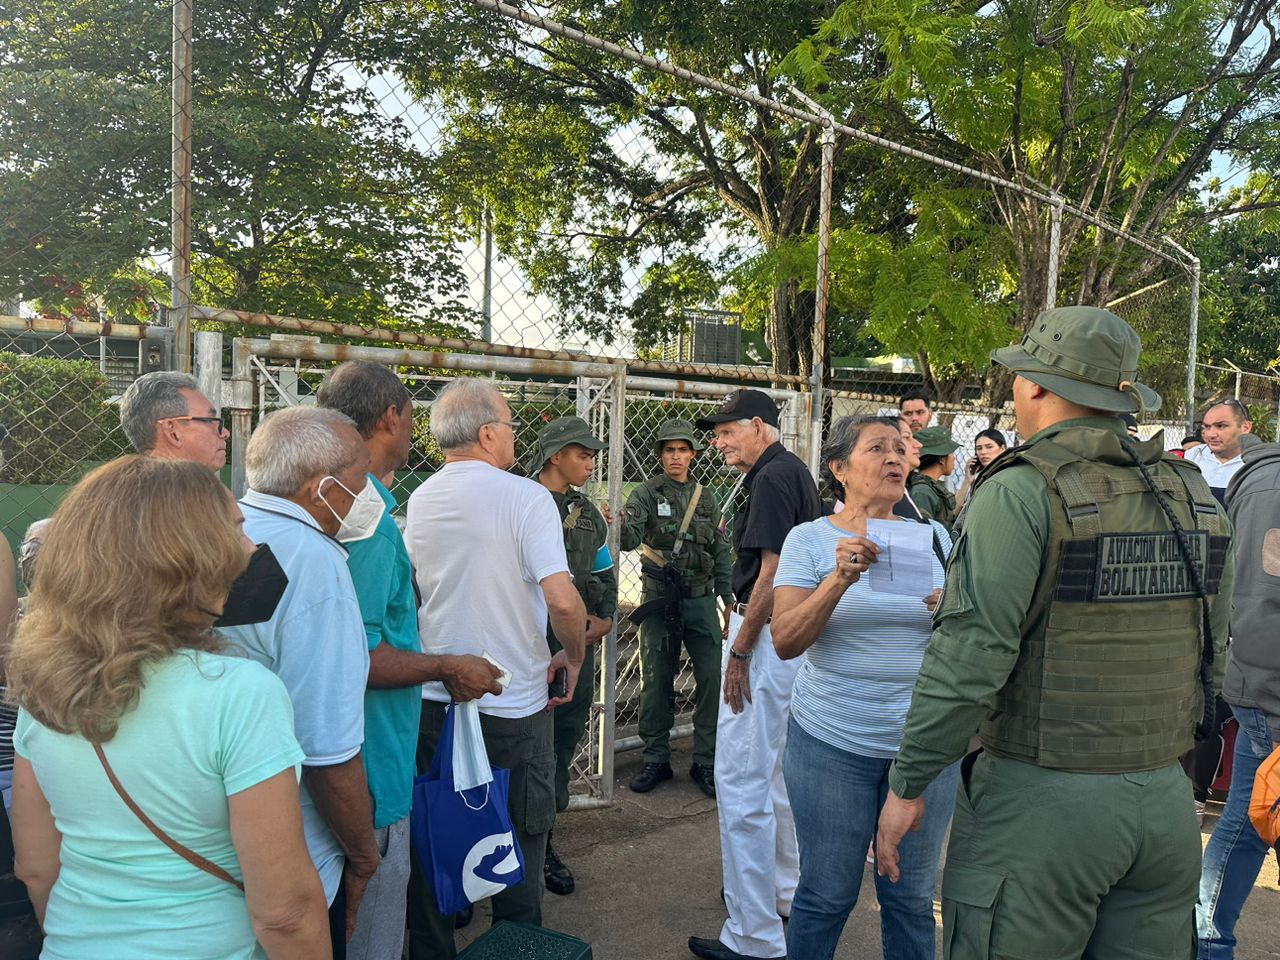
(309,199)
(1119,106)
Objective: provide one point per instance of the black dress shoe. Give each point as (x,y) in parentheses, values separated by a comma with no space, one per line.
(555,875)
(710,949)
(463,917)
(704,777)
(652,775)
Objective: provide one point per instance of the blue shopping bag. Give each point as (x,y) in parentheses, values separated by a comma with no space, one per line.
(464,838)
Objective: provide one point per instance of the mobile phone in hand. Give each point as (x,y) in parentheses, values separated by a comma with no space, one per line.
(559,686)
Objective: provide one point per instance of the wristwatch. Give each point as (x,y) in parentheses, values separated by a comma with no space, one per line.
(740,656)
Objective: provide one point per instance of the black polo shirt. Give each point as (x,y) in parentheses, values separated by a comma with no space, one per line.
(780,495)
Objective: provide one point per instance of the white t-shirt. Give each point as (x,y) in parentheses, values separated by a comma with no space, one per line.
(1217,473)
(481,540)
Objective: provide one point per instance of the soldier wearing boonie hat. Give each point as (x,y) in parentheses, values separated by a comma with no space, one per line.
(1078,631)
(565,457)
(926,487)
(675,522)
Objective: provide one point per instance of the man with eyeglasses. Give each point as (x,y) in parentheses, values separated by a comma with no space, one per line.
(489,557)
(164,414)
(1218,457)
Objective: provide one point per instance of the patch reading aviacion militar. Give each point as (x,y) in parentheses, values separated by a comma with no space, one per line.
(1128,567)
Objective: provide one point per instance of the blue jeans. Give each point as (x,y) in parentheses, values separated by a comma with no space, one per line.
(836,798)
(1235,853)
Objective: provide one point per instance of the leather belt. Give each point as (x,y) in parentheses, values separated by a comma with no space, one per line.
(741,610)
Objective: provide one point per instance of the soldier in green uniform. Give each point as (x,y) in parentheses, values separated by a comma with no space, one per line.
(927,485)
(685,560)
(567,453)
(1084,615)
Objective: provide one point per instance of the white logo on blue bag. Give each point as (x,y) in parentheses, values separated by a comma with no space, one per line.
(490,866)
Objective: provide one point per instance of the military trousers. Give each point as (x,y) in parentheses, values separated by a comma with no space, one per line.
(1049,865)
(659,663)
(570,723)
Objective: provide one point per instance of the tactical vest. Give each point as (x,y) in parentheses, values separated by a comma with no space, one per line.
(584,531)
(947,514)
(1107,678)
(696,559)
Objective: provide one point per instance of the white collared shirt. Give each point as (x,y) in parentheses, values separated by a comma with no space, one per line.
(1217,473)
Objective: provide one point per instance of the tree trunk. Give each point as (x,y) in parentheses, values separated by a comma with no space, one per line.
(790,334)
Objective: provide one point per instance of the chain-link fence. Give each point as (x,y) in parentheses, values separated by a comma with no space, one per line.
(286,371)
(60,383)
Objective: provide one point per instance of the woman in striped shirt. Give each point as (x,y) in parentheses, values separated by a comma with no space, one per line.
(862,650)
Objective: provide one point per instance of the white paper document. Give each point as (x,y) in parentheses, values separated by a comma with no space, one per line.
(905,565)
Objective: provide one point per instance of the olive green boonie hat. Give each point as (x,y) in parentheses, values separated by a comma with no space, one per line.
(677,429)
(561,432)
(936,442)
(1086,355)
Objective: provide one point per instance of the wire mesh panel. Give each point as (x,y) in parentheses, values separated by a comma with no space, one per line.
(59,394)
(279,380)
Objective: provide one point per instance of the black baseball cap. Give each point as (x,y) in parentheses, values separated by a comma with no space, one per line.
(742,405)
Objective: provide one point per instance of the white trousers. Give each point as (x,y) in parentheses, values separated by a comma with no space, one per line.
(757,832)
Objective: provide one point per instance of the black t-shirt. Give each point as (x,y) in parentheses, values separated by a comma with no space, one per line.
(781,495)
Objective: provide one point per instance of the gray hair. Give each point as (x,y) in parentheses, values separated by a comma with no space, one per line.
(296,444)
(461,409)
(151,398)
(842,438)
(771,433)
(362,390)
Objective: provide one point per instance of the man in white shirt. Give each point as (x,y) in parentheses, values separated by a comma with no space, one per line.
(1218,457)
(488,551)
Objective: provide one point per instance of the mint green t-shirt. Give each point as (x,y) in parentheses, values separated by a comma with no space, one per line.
(205,727)
(383,579)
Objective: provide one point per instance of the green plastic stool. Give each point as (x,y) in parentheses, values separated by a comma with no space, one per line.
(522,941)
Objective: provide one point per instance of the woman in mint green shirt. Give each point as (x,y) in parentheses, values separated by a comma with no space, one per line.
(117,648)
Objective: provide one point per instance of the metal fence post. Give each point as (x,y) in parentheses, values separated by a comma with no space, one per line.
(208,366)
(1055,242)
(241,410)
(617,455)
(1192,263)
(180,186)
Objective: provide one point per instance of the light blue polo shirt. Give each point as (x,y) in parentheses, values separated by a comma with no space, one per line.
(315,644)
(383,579)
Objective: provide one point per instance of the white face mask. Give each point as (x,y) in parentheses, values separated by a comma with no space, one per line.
(362,519)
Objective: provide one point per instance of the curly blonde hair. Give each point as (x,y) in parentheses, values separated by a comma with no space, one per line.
(137,551)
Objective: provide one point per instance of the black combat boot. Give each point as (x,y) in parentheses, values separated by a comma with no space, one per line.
(705,778)
(652,775)
(555,875)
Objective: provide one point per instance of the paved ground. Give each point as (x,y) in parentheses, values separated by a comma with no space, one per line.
(648,872)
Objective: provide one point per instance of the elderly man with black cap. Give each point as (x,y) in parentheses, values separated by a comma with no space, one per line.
(757,832)
(1078,631)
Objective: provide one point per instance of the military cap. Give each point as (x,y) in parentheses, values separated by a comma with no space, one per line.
(742,405)
(677,429)
(936,442)
(1086,355)
(561,432)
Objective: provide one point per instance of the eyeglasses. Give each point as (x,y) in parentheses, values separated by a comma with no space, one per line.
(513,424)
(217,420)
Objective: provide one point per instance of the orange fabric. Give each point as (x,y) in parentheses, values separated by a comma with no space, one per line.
(1264,805)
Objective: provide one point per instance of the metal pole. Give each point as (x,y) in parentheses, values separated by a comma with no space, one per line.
(1192,263)
(208,364)
(486,304)
(180,186)
(609,669)
(821,299)
(1192,344)
(1055,243)
(241,410)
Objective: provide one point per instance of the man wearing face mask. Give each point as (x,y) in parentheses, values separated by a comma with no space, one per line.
(309,494)
(382,410)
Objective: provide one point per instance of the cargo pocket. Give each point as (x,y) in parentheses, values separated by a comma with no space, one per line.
(970,896)
(540,794)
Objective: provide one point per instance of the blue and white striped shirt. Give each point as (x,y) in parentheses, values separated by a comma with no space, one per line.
(854,686)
